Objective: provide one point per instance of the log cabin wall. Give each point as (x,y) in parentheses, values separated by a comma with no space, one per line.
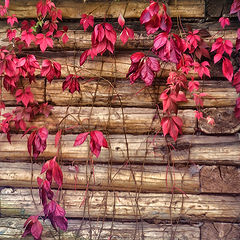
(134,193)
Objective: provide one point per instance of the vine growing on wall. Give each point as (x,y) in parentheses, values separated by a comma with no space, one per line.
(186,53)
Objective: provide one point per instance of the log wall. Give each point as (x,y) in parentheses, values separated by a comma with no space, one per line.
(136,189)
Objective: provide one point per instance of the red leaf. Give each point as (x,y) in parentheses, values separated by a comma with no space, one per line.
(121,20)
(124,36)
(44,41)
(12,19)
(224,21)
(84,56)
(201,68)
(193,85)
(98,138)
(86,21)
(172,126)
(57,173)
(36,230)
(227,69)
(217,57)
(80,139)
(236,81)
(136,57)
(58,137)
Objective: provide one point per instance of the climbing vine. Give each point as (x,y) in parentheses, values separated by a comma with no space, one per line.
(185,52)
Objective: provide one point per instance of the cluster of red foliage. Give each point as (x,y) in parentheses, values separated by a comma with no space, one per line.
(189,54)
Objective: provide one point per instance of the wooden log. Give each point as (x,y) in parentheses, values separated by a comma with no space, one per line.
(11,228)
(134,120)
(225,121)
(219,231)
(222,179)
(108,66)
(134,178)
(127,206)
(133,9)
(81,40)
(205,150)
(219,94)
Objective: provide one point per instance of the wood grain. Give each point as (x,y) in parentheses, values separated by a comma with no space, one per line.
(210,150)
(12,228)
(133,9)
(120,205)
(104,177)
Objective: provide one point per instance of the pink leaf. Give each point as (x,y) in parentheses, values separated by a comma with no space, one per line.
(58,137)
(121,20)
(227,69)
(80,139)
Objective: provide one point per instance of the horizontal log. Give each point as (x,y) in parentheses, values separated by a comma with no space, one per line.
(81,40)
(130,206)
(219,231)
(222,179)
(113,120)
(133,9)
(132,120)
(104,177)
(109,66)
(219,94)
(210,150)
(11,228)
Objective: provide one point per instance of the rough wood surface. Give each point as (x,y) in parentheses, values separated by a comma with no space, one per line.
(119,178)
(80,40)
(219,94)
(203,150)
(11,228)
(128,206)
(220,231)
(136,120)
(132,9)
(133,120)
(222,179)
(107,66)
(225,121)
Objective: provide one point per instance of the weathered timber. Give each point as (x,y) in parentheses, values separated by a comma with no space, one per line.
(225,121)
(109,66)
(222,179)
(133,9)
(11,228)
(134,120)
(81,40)
(127,206)
(140,178)
(219,94)
(220,231)
(204,150)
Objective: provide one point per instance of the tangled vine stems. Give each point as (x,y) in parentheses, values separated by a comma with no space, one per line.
(189,54)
